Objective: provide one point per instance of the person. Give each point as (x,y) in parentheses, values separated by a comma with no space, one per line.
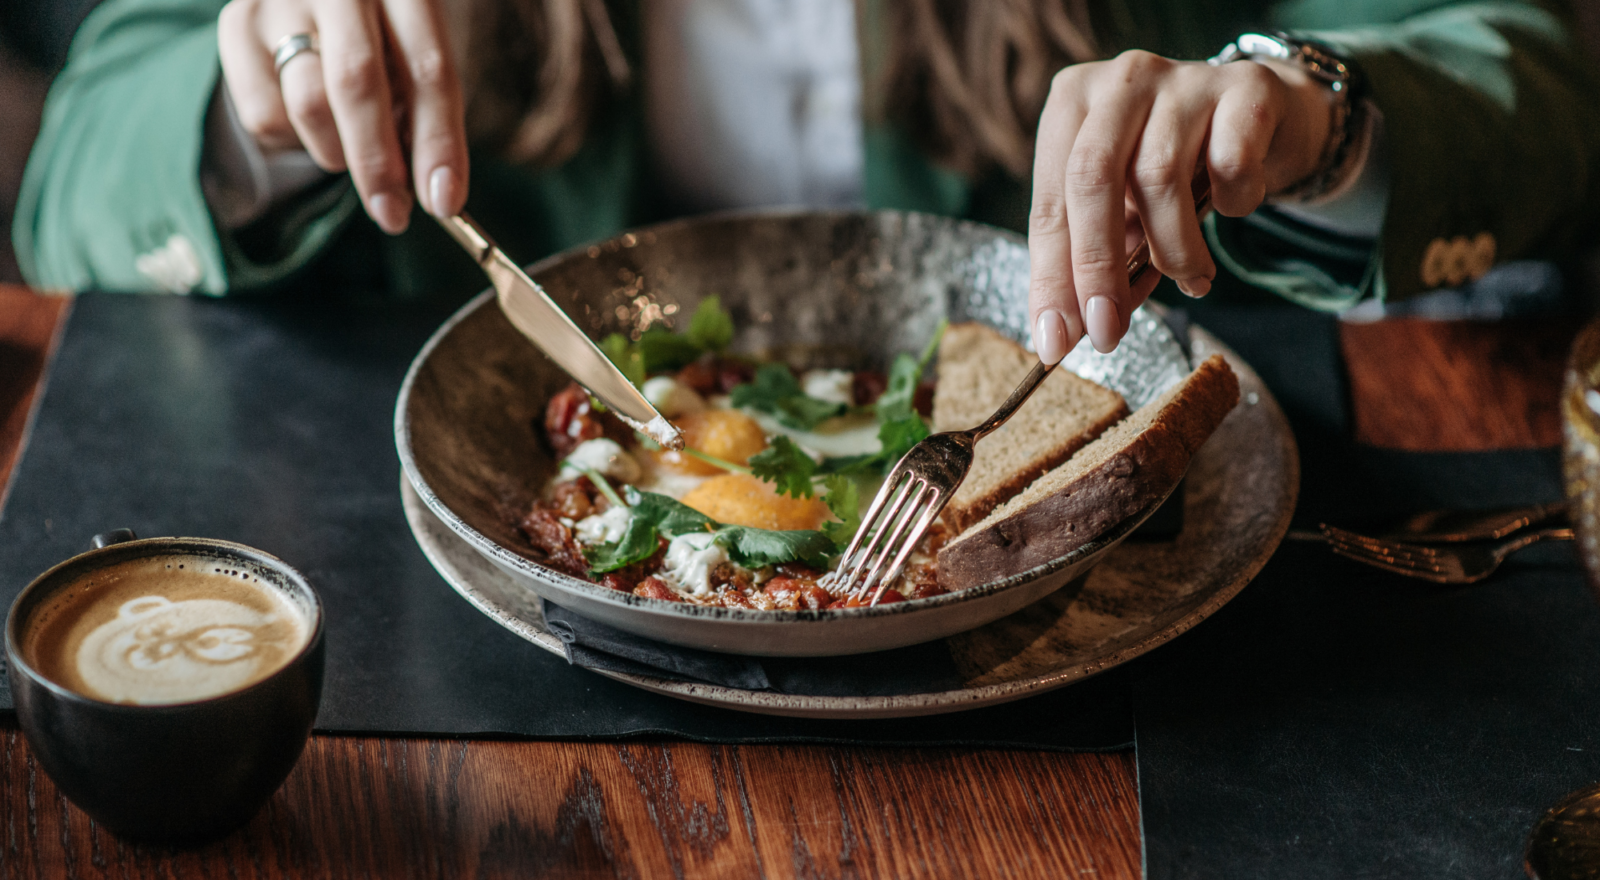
(1393,147)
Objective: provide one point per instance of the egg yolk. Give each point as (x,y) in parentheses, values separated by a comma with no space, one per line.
(743,500)
(723,433)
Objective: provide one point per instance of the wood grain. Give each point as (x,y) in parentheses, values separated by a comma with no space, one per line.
(28,324)
(368,807)
(1456,385)
(385,807)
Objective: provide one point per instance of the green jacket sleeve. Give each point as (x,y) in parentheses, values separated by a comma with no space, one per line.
(111,197)
(1493,135)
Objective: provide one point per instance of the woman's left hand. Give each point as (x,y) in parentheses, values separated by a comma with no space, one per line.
(1119,143)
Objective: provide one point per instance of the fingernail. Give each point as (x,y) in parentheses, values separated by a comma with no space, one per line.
(391,213)
(1196,287)
(1103,322)
(1050,337)
(441,192)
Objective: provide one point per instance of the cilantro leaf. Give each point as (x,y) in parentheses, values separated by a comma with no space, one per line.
(774,390)
(655,516)
(625,355)
(652,516)
(786,467)
(932,348)
(847,464)
(638,543)
(895,439)
(900,427)
(661,350)
(804,413)
(895,402)
(711,328)
(844,501)
(758,548)
(771,383)
(671,516)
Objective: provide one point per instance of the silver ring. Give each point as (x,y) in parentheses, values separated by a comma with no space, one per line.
(289,47)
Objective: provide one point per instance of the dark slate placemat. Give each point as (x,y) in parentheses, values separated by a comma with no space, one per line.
(270,423)
(1342,722)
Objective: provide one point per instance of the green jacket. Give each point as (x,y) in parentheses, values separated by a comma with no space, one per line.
(1492,117)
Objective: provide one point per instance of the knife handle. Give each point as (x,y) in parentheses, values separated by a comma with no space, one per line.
(470,235)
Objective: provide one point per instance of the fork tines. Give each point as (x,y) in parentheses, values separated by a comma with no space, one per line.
(1414,560)
(909,505)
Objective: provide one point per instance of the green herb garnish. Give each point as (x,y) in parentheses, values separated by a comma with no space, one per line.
(654,516)
(786,467)
(759,548)
(775,391)
(660,349)
(711,328)
(844,500)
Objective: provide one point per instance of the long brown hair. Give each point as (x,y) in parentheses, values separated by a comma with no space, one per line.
(968,78)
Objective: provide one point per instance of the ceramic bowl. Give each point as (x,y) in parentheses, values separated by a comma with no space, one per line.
(847,290)
(1580,417)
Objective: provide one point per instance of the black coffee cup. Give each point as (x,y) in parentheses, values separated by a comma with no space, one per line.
(172,773)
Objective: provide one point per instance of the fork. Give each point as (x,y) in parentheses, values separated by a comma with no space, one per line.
(1452,525)
(1454,564)
(925,478)
(915,491)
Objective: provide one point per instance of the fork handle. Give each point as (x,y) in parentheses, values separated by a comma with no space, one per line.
(1019,395)
(1511,546)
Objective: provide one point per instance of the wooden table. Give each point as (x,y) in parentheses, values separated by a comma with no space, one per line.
(391,807)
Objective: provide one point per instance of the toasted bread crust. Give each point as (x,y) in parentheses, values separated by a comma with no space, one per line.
(959,517)
(1104,484)
(978,368)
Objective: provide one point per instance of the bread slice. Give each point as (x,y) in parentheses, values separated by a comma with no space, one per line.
(978,369)
(1111,479)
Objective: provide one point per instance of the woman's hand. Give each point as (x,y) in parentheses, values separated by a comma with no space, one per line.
(381,85)
(1119,143)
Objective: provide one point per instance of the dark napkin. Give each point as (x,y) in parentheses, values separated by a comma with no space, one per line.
(1338,721)
(917,669)
(271,423)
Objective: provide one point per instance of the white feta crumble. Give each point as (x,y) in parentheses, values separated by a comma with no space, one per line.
(603,455)
(670,397)
(606,528)
(832,386)
(690,560)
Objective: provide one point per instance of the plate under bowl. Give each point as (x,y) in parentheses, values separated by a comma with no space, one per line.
(824,289)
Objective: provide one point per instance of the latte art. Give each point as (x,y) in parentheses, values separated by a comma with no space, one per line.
(157,650)
(166,630)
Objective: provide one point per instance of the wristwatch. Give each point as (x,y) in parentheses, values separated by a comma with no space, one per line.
(1346,123)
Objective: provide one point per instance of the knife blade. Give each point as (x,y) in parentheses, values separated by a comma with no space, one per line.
(536,316)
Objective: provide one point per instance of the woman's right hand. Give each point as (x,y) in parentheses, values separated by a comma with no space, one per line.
(381,84)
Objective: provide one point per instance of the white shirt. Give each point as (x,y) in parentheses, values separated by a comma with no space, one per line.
(754,102)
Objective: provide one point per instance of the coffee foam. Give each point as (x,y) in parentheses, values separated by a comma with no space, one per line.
(167,629)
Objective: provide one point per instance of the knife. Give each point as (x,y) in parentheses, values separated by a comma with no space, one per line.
(537,317)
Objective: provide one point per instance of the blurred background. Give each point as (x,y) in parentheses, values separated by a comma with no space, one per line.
(35,36)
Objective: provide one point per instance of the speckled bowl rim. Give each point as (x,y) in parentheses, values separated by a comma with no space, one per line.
(1580,443)
(595,592)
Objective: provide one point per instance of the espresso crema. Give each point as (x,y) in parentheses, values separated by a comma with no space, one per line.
(168,629)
